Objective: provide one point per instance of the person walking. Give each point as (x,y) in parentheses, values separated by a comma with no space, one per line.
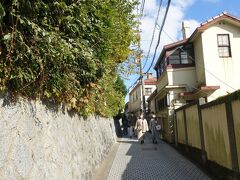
(125,124)
(131,122)
(155,127)
(141,128)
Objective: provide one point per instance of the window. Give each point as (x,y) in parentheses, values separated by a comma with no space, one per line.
(174,58)
(224,49)
(161,68)
(148,91)
(163,103)
(182,55)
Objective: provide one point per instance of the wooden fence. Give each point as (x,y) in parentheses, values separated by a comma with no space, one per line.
(210,133)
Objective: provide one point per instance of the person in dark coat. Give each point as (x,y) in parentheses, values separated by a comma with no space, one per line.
(117,125)
(125,124)
(131,123)
(155,128)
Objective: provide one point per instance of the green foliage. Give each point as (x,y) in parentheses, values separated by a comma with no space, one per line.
(120,86)
(67,51)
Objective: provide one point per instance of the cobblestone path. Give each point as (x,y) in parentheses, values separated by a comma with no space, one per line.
(148,161)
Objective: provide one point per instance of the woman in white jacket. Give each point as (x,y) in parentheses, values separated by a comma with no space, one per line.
(141,128)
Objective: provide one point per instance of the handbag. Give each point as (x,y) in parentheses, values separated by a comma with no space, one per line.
(158,127)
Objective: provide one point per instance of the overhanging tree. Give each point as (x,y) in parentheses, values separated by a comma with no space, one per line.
(66,51)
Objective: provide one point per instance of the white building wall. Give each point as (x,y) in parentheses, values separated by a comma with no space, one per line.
(199,62)
(177,78)
(182,76)
(152,105)
(153,87)
(162,82)
(221,71)
(136,105)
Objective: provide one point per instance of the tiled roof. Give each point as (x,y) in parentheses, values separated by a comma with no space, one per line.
(151,81)
(175,44)
(206,24)
(223,14)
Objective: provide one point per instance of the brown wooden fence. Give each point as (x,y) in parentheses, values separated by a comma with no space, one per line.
(210,133)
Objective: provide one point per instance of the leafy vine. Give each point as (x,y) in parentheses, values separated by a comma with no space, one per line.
(67,51)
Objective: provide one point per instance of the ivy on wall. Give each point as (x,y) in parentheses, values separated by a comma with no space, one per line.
(67,51)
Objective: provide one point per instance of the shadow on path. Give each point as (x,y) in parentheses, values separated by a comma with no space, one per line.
(135,161)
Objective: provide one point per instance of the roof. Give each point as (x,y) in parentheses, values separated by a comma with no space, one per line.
(221,17)
(202,91)
(205,25)
(149,81)
(170,47)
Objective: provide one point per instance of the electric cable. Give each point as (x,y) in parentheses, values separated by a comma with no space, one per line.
(153,34)
(160,32)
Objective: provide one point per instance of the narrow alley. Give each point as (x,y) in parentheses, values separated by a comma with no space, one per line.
(131,160)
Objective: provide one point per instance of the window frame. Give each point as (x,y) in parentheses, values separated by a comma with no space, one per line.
(228,46)
(147,92)
(188,50)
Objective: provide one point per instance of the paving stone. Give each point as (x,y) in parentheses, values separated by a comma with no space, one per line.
(135,161)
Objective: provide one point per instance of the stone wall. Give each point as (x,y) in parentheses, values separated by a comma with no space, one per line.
(41,143)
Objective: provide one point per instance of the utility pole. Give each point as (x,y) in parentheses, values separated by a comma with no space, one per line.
(139,60)
(143,88)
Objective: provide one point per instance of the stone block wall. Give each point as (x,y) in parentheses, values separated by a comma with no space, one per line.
(41,143)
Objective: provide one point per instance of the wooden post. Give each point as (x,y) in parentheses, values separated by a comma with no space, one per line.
(175,129)
(232,138)
(185,126)
(204,156)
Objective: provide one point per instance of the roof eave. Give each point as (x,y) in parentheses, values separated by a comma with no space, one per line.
(169,47)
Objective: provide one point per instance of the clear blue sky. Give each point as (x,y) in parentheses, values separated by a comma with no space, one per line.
(194,11)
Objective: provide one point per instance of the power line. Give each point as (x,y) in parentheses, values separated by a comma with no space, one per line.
(155,25)
(169,36)
(135,81)
(160,32)
(140,16)
(142,7)
(143,3)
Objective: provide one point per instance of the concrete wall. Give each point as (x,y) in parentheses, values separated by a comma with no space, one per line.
(39,143)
